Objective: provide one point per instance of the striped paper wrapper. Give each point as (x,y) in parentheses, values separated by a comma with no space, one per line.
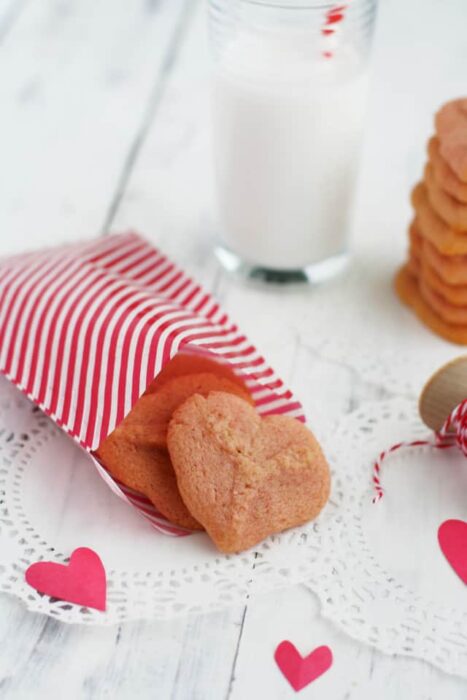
(85,328)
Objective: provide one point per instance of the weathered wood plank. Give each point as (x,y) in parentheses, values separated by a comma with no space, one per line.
(358,672)
(76,79)
(169,192)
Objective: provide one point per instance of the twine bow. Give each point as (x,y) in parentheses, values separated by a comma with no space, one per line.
(453,433)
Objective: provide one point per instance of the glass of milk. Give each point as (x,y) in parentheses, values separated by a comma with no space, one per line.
(289,93)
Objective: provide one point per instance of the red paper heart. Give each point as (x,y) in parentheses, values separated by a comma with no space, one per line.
(452,538)
(301,671)
(82,581)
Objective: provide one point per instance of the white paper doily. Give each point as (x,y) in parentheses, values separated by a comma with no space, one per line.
(364,561)
(379,572)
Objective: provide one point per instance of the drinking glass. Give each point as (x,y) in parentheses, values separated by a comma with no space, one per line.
(288,95)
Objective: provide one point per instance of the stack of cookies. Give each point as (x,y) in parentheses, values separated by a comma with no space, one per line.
(196,447)
(434,280)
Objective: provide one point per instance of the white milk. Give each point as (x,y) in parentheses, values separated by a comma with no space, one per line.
(287,128)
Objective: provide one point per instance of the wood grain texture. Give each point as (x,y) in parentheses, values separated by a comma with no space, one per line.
(10,10)
(104,122)
(77,83)
(169,192)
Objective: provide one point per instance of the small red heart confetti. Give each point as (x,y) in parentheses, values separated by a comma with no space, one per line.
(301,671)
(452,538)
(81,581)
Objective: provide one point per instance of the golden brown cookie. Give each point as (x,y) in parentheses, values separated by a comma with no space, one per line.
(454,315)
(419,266)
(136,451)
(450,209)
(149,417)
(451,269)
(408,291)
(455,294)
(415,240)
(451,115)
(433,228)
(451,129)
(148,470)
(190,363)
(445,177)
(244,477)
(413,266)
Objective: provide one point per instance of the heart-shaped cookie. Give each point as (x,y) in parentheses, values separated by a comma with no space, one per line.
(149,418)
(242,476)
(136,451)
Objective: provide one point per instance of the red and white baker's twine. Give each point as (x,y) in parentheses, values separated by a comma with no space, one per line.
(332,20)
(452,434)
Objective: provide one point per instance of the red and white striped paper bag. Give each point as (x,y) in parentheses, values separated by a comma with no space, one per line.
(85,328)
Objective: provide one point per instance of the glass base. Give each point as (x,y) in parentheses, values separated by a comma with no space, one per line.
(310,274)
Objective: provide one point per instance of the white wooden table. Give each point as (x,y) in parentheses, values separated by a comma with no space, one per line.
(103,124)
